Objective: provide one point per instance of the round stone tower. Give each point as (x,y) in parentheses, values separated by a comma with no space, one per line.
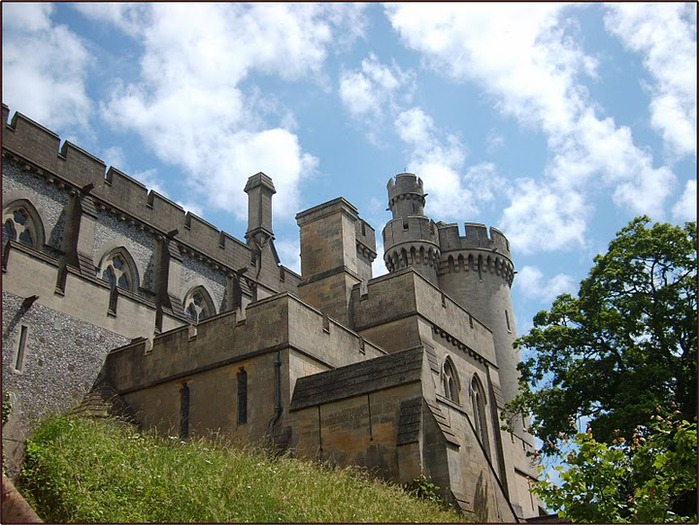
(410,238)
(476,271)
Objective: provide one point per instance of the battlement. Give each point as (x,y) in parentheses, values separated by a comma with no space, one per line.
(477,237)
(39,150)
(406,196)
(226,338)
(405,183)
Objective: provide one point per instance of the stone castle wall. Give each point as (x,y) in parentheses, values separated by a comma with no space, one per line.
(84,211)
(71,168)
(375,372)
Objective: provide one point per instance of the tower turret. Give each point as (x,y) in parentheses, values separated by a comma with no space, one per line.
(476,271)
(410,238)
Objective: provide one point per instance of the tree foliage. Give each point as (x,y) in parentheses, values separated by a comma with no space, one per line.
(650,479)
(624,346)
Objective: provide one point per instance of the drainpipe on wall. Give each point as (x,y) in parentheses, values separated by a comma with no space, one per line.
(278,395)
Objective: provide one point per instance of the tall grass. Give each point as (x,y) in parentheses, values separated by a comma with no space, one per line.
(81,470)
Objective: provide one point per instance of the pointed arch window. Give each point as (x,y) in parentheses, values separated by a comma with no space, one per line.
(198,304)
(117,269)
(450,381)
(478,403)
(21,223)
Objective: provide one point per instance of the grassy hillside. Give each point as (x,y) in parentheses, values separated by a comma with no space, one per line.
(81,470)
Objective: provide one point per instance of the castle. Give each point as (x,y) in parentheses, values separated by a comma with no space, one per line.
(113,291)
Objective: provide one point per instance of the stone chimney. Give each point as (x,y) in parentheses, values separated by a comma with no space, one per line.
(260,189)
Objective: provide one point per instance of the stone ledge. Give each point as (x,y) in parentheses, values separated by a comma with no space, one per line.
(15,508)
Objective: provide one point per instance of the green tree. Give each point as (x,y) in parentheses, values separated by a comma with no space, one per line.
(650,479)
(624,346)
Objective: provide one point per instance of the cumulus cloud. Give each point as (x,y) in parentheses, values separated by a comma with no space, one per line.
(129,17)
(532,284)
(522,56)
(375,90)
(44,67)
(665,35)
(190,104)
(598,151)
(494,141)
(686,207)
(30,17)
(114,156)
(541,217)
(438,160)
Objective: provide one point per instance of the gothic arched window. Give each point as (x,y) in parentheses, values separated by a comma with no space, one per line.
(198,304)
(118,270)
(450,381)
(479,418)
(21,223)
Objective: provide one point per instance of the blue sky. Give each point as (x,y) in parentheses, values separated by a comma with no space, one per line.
(557,123)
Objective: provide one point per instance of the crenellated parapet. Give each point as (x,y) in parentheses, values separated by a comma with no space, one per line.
(69,168)
(477,237)
(406,195)
(479,251)
(410,238)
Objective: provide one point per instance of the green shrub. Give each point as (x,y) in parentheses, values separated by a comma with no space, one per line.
(424,488)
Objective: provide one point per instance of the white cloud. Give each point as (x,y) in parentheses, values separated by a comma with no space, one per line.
(530,280)
(44,67)
(191,108)
(494,141)
(523,57)
(485,182)
(600,152)
(513,49)
(665,34)
(543,218)
(686,207)
(437,160)
(375,90)
(151,180)
(114,156)
(26,17)
(129,17)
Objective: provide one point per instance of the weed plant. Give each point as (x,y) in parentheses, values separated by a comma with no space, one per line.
(82,470)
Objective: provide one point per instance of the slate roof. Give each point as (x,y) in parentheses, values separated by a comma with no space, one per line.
(360,378)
